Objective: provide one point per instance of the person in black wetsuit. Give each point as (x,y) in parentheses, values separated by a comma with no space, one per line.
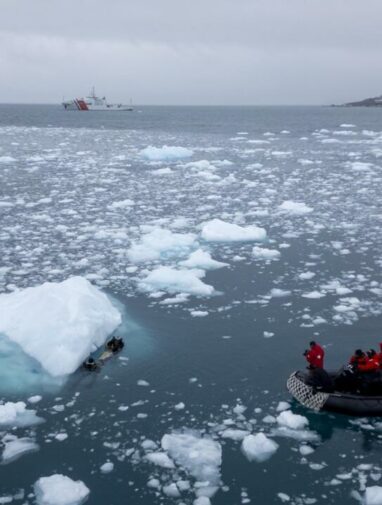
(115,344)
(90,365)
(319,379)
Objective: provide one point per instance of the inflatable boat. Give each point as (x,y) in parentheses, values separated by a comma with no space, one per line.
(336,401)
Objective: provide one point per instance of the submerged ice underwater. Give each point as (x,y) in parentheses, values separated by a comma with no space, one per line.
(217,242)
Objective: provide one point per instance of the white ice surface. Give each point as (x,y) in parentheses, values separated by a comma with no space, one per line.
(58,489)
(265,254)
(58,324)
(295,208)
(166,153)
(160,242)
(373,495)
(15,447)
(217,230)
(258,447)
(202,259)
(174,281)
(293,421)
(16,414)
(200,456)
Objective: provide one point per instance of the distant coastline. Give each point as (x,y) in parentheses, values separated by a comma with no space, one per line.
(367,102)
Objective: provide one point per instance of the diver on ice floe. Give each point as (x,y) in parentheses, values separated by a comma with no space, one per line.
(114,345)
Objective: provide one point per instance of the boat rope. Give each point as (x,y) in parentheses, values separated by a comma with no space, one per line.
(305,394)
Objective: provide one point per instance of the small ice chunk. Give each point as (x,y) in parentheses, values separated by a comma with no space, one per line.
(34,399)
(217,230)
(265,254)
(143,383)
(160,459)
(165,153)
(295,208)
(373,495)
(176,281)
(282,406)
(233,434)
(16,414)
(59,489)
(283,497)
(107,467)
(17,447)
(171,490)
(258,447)
(305,450)
(179,406)
(202,259)
(200,456)
(293,421)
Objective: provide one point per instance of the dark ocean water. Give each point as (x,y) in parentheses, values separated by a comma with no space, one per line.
(78,164)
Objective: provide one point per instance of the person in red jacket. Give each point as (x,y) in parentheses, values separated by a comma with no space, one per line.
(371,364)
(315,355)
(379,355)
(358,359)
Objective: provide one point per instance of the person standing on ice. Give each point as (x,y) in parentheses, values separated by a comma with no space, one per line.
(315,355)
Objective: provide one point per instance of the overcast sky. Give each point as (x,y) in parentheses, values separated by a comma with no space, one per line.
(191,51)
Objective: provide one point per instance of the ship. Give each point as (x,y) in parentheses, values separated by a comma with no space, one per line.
(94,102)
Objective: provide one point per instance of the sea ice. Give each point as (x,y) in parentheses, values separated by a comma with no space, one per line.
(373,495)
(295,208)
(217,230)
(16,414)
(202,259)
(293,421)
(200,456)
(258,447)
(58,489)
(107,467)
(176,281)
(166,153)
(160,459)
(265,254)
(58,324)
(17,447)
(161,242)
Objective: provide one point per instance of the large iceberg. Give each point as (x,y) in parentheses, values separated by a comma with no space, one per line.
(217,230)
(58,324)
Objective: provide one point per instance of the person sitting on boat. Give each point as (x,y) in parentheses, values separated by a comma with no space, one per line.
(379,355)
(315,355)
(358,359)
(90,364)
(371,363)
(115,344)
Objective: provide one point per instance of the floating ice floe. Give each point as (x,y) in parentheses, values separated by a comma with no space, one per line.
(174,281)
(293,421)
(217,230)
(295,208)
(202,259)
(373,495)
(166,153)
(200,456)
(161,242)
(15,447)
(265,254)
(58,324)
(59,489)
(16,414)
(160,459)
(258,447)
